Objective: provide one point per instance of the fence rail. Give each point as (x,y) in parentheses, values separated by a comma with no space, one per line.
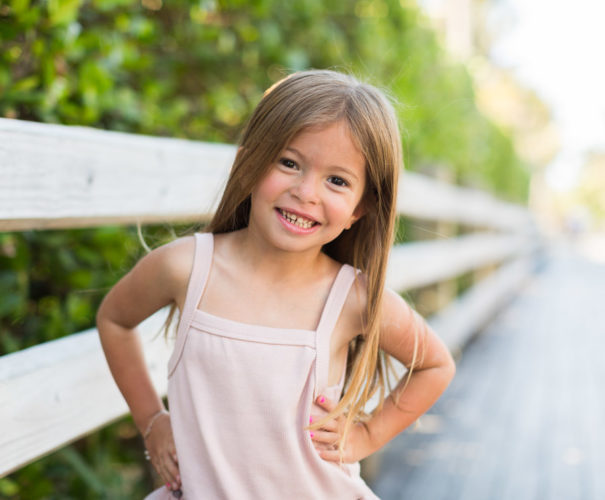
(54,176)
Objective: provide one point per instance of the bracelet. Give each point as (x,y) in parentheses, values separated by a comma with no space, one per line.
(152,421)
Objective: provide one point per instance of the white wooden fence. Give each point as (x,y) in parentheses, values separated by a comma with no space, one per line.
(55,176)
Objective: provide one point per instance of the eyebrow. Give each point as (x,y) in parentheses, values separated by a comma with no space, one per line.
(336,167)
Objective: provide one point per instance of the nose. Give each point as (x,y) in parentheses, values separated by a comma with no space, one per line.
(307,188)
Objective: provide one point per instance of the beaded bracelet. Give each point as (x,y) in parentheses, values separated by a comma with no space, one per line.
(152,421)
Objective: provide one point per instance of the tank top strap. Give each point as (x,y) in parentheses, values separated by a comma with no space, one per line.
(332,309)
(202,261)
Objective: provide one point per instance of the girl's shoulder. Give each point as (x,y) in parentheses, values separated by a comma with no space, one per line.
(158,279)
(394,309)
(176,257)
(169,266)
(354,311)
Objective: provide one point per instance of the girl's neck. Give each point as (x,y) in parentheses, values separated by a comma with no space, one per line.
(275,263)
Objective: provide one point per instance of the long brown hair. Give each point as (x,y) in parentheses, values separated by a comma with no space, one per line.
(310,99)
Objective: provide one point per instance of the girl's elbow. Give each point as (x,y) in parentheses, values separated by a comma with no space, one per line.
(449,369)
(101,321)
(101,315)
(104,319)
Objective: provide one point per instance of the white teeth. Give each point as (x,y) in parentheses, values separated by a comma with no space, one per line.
(297,220)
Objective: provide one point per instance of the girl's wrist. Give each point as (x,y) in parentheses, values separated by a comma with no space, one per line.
(151,422)
(358,443)
(367,445)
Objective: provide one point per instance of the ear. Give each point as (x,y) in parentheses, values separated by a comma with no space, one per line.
(358,213)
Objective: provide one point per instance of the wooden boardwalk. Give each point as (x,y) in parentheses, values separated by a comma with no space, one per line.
(524,418)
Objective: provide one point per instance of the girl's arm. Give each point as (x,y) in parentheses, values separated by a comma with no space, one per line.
(433,370)
(157,280)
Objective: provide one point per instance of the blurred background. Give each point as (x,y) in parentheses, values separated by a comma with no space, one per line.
(503,96)
(535,74)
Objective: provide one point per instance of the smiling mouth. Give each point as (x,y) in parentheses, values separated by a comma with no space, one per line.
(297,220)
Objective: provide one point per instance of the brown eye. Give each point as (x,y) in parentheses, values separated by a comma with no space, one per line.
(337,181)
(288,163)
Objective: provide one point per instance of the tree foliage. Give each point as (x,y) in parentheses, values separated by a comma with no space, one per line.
(196,69)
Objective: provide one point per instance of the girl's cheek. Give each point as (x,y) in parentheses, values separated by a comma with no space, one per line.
(271,185)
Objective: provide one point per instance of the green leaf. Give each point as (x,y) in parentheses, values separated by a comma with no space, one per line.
(8,487)
(19,7)
(82,469)
(26,84)
(62,11)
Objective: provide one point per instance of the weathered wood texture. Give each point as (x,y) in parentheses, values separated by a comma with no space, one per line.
(53,176)
(421,263)
(426,198)
(471,311)
(523,417)
(56,392)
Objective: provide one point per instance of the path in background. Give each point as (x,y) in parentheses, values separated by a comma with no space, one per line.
(524,419)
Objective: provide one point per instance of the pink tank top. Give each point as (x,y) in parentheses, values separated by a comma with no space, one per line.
(240,396)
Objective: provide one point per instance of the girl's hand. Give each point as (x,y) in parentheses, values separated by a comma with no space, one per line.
(162,452)
(326,438)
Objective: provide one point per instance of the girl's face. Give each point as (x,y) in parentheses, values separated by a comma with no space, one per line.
(312,192)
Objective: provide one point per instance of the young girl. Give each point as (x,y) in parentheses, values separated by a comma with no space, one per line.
(281,307)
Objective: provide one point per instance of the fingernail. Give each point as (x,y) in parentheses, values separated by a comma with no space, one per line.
(311,434)
(322,399)
(168,485)
(310,420)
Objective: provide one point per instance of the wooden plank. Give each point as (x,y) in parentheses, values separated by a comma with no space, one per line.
(59,391)
(523,417)
(426,198)
(457,323)
(58,176)
(109,220)
(470,312)
(48,387)
(412,265)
